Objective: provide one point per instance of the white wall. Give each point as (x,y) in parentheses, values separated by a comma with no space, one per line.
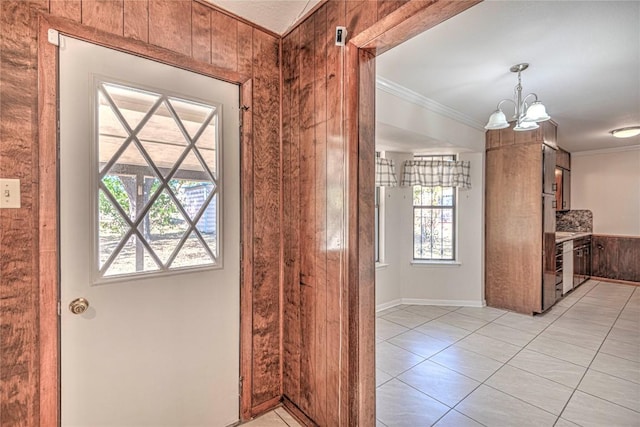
(423,131)
(400,280)
(390,270)
(608,184)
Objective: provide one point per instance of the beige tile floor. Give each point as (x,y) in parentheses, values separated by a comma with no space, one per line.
(279,417)
(576,365)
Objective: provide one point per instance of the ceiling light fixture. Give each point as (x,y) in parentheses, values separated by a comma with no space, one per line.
(526,116)
(627,132)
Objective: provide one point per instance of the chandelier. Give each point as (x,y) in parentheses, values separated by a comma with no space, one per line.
(527,116)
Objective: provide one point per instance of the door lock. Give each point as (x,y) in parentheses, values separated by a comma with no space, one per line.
(78,305)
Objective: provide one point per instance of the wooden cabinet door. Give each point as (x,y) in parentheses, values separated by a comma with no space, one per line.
(566,190)
(558,184)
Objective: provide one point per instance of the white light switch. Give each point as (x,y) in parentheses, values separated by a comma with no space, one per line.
(9,193)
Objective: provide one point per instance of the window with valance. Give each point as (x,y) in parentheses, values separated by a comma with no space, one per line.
(437,173)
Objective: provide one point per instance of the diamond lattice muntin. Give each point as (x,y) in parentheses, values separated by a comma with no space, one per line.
(157,192)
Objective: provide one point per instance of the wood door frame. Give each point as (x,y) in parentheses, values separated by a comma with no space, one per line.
(409,20)
(48,200)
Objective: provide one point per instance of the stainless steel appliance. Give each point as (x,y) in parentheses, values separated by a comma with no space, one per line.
(549,289)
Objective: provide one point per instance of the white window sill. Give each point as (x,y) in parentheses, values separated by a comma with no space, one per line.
(381,266)
(416,263)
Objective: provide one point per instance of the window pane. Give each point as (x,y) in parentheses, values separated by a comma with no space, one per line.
(377,224)
(157,165)
(192,115)
(448,194)
(433,233)
(133,257)
(208,226)
(167,226)
(434,219)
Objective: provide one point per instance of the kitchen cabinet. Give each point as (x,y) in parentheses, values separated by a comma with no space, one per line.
(562,185)
(563,189)
(520,267)
(616,257)
(581,260)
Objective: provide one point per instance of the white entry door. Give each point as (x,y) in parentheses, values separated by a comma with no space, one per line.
(149,243)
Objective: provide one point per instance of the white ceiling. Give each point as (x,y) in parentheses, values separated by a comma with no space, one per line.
(275,15)
(584,61)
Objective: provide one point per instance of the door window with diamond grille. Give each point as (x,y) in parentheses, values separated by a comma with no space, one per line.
(158,187)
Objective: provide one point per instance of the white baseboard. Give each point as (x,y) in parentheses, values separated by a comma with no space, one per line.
(389,304)
(450,302)
(417,301)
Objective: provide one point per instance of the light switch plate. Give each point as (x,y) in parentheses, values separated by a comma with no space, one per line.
(9,193)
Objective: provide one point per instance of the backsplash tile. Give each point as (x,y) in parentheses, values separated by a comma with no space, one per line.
(576,220)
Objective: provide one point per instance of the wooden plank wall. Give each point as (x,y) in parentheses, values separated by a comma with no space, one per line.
(315,179)
(183,26)
(616,257)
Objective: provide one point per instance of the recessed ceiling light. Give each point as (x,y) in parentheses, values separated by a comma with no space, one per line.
(627,132)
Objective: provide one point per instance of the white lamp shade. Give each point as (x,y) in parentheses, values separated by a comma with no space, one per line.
(497,120)
(536,112)
(522,126)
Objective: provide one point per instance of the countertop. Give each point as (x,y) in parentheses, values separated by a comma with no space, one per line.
(563,236)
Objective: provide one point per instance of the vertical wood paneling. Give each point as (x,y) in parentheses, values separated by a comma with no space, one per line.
(70,9)
(136,19)
(335,209)
(320,154)
(105,15)
(201,34)
(224,35)
(245,49)
(170,24)
(266,255)
(360,15)
(365,285)
(385,7)
(309,352)
(350,290)
(291,145)
(247,226)
(19,356)
(616,257)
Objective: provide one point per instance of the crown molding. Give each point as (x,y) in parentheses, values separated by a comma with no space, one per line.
(429,104)
(606,151)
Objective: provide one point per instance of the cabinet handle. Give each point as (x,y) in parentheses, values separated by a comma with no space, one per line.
(554,187)
(554,204)
(564,203)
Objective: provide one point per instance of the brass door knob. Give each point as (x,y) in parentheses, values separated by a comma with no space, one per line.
(78,305)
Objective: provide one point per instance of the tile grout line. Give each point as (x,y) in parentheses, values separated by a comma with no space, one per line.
(488,322)
(596,355)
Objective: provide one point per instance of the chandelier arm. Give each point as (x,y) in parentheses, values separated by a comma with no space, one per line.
(524,100)
(499,107)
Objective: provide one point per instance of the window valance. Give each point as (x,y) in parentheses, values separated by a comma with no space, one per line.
(385,173)
(437,173)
